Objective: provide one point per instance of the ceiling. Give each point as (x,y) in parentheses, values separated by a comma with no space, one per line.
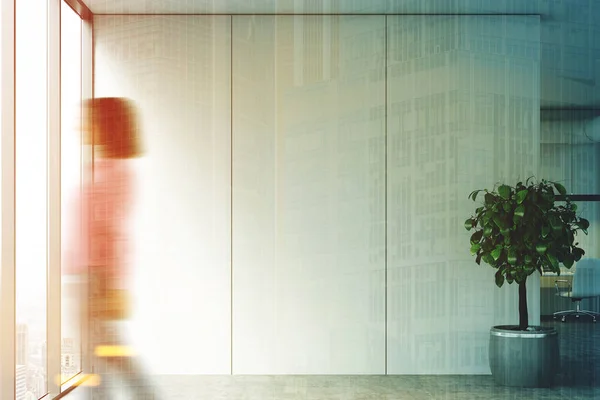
(328,6)
(570,30)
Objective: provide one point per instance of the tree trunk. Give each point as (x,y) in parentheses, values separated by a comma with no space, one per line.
(523,314)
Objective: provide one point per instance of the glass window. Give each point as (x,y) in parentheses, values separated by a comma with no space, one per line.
(31,209)
(70,183)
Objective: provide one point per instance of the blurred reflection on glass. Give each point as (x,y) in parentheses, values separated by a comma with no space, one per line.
(98,249)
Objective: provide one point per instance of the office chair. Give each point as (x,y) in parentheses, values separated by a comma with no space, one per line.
(586,284)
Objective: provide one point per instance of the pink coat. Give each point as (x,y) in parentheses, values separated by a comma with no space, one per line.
(100,237)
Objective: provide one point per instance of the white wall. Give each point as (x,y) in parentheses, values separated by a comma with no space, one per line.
(308,174)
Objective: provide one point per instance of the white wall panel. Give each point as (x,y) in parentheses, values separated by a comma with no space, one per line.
(177,70)
(308,195)
(463,114)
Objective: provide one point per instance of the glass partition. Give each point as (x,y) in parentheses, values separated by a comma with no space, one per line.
(570,154)
(308,231)
(354,144)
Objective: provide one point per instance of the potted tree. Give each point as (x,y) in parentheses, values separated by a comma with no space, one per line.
(519,230)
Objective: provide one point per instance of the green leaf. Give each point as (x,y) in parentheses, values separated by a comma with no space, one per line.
(499,278)
(487,245)
(544,203)
(568,260)
(487,216)
(487,230)
(555,222)
(504,191)
(475,248)
(545,231)
(500,222)
(561,189)
(529,269)
(474,194)
(487,258)
(520,210)
(490,198)
(583,223)
(476,237)
(496,253)
(577,253)
(521,194)
(469,224)
(553,261)
(541,248)
(512,257)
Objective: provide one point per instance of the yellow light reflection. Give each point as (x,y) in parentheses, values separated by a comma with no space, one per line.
(82,379)
(114,351)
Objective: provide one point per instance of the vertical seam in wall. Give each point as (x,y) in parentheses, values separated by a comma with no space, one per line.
(14,193)
(93,28)
(93,50)
(385,219)
(81,79)
(231,191)
(48,195)
(92,88)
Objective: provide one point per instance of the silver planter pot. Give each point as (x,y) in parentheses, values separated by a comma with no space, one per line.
(523,358)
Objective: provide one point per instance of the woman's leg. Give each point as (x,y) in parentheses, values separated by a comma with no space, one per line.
(113,365)
(135,381)
(98,334)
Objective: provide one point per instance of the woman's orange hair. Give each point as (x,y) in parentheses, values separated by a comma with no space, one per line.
(115,126)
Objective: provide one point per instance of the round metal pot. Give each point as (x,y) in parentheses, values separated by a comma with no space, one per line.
(523,358)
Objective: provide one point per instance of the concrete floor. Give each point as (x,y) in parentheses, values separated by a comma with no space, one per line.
(579,378)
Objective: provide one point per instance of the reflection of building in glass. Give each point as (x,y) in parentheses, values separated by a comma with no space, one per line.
(31,365)
(21,382)
(316,49)
(22,344)
(432,124)
(455,122)
(69,359)
(44,356)
(332,149)
(37,382)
